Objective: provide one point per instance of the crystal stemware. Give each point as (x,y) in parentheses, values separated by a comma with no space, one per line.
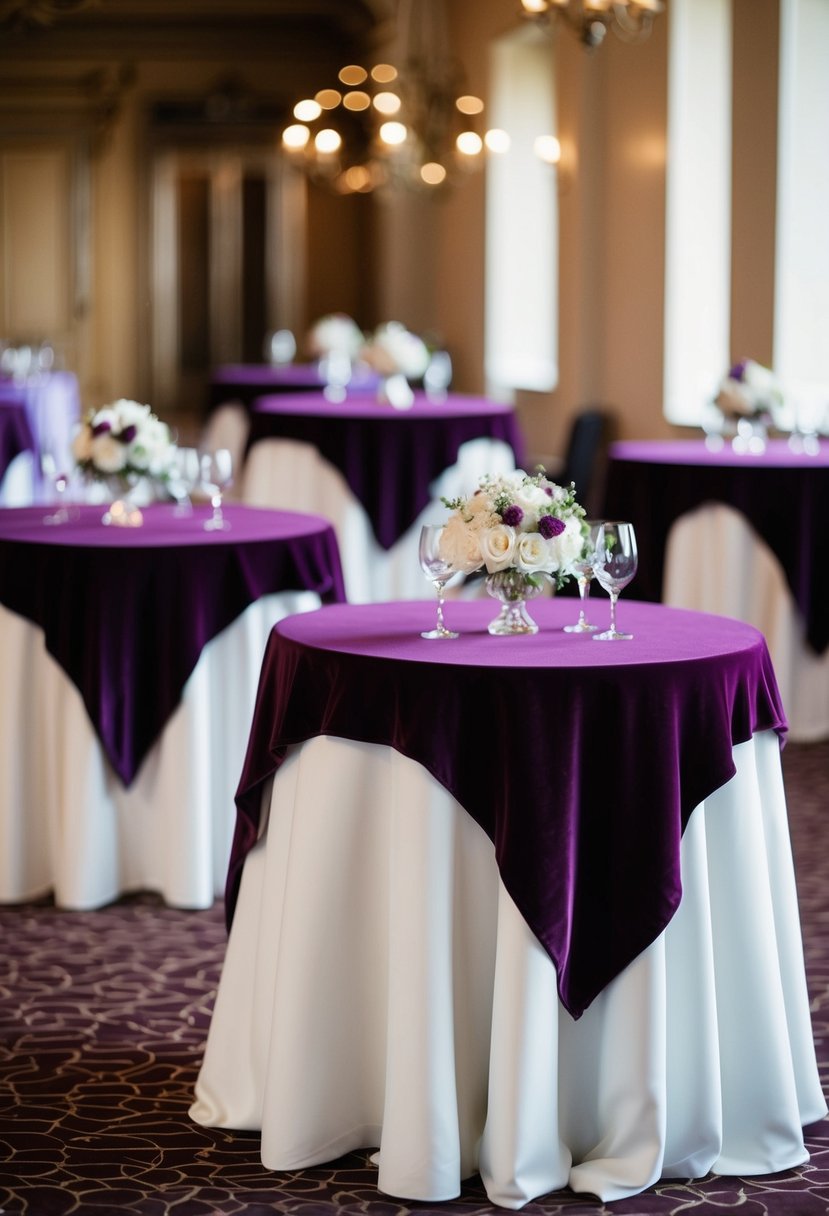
(60,480)
(438,571)
(584,575)
(614,565)
(216,476)
(184,477)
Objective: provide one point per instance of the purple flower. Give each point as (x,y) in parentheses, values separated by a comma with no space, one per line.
(738,371)
(128,434)
(102,428)
(549,526)
(512,515)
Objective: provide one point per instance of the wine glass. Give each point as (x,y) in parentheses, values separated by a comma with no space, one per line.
(52,469)
(184,477)
(438,376)
(614,565)
(216,477)
(438,570)
(584,574)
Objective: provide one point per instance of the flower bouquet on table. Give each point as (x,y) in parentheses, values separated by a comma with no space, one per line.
(750,401)
(398,356)
(336,341)
(126,448)
(522,529)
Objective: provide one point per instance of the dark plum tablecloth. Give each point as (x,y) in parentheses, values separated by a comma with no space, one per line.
(246,381)
(126,612)
(15,431)
(389,457)
(581,760)
(784,495)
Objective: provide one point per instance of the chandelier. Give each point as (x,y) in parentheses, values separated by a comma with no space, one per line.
(408,121)
(631,20)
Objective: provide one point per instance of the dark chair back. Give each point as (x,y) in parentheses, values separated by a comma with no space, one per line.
(584,460)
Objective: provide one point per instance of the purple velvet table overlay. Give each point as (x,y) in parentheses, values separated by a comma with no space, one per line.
(389,457)
(582,761)
(15,431)
(784,495)
(246,381)
(126,612)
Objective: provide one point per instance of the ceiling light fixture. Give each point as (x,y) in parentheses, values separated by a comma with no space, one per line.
(631,20)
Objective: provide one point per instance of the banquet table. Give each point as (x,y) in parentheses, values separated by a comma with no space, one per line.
(51,401)
(378,473)
(529,909)
(740,534)
(244,382)
(130,659)
(16,438)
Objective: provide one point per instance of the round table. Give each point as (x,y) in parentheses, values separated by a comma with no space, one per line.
(514,910)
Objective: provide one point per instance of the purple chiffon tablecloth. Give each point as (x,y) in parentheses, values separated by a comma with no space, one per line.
(15,431)
(126,612)
(246,381)
(581,760)
(389,457)
(784,495)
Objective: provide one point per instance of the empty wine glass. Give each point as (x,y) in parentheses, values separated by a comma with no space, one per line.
(614,565)
(584,574)
(439,571)
(216,477)
(59,479)
(184,477)
(438,376)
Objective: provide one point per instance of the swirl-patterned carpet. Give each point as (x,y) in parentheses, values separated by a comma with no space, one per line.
(103,1017)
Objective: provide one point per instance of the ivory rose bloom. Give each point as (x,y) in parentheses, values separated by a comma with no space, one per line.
(124,438)
(498,547)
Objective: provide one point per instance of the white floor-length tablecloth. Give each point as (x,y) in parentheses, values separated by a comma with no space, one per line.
(294,476)
(746,581)
(68,825)
(381,989)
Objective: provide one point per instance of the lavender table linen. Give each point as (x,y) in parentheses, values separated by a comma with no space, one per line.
(389,457)
(581,761)
(784,495)
(53,408)
(15,431)
(246,381)
(126,612)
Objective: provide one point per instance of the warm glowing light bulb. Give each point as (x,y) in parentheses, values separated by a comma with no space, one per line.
(469,143)
(327,141)
(307,110)
(383,73)
(296,136)
(353,74)
(535,6)
(387,103)
(497,140)
(547,148)
(393,133)
(356,100)
(328,98)
(358,178)
(469,104)
(432,173)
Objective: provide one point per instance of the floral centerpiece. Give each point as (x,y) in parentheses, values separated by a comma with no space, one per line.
(335,334)
(521,529)
(398,356)
(750,393)
(124,444)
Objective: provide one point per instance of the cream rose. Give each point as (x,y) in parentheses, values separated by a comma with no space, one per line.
(498,547)
(460,545)
(108,454)
(532,554)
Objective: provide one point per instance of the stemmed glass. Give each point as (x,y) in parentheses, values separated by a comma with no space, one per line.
(439,571)
(614,565)
(216,476)
(584,573)
(60,481)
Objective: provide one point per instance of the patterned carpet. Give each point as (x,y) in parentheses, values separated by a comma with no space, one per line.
(103,1017)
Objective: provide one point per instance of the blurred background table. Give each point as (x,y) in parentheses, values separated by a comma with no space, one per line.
(547,888)
(376,472)
(741,534)
(16,440)
(130,661)
(51,401)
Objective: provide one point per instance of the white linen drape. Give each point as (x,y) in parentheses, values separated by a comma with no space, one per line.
(716,562)
(381,989)
(68,825)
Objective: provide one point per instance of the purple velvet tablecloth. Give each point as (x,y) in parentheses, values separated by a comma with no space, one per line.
(389,457)
(581,760)
(784,495)
(15,431)
(126,612)
(246,381)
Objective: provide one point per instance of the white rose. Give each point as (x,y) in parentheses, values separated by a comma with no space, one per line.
(461,545)
(567,546)
(106,416)
(498,547)
(336,333)
(532,554)
(531,499)
(108,454)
